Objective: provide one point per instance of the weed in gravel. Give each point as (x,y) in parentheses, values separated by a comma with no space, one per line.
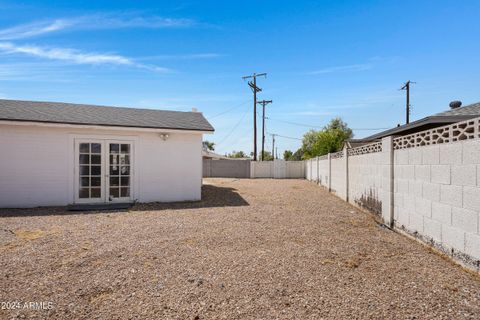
(30,235)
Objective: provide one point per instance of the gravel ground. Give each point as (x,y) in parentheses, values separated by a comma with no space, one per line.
(252,249)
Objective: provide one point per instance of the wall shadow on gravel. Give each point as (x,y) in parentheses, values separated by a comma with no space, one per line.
(212,196)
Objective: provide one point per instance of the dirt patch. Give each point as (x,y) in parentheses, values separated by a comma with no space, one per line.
(251,249)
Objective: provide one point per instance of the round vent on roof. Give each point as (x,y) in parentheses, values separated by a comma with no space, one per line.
(455,104)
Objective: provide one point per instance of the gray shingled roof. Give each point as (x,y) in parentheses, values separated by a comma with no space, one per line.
(470,110)
(70,113)
(438,119)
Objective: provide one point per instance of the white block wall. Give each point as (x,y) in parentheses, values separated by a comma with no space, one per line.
(279,169)
(364,180)
(431,192)
(338,177)
(437,194)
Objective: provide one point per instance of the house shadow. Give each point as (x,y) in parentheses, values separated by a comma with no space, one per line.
(212,196)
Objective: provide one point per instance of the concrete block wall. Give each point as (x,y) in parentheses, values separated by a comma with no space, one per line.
(431,192)
(437,194)
(338,183)
(364,181)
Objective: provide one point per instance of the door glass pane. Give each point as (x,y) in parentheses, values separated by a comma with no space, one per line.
(125,148)
(83,193)
(84,147)
(96,193)
(96,159)
(114,181)
(125,192)
(95,181)
(125,181)
(84,182)
(114,148)
(125,171)
(84,170)
(96,170)
(114,192)
(84,159)
(114,170)
(96,148)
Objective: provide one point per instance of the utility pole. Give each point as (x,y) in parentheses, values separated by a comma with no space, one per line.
(273,145)
(263,103)
(255,89)
(406,87)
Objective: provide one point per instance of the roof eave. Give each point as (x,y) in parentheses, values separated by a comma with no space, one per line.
(102,126)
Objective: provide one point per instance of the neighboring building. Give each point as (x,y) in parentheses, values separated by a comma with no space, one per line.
(209,155)
(455,114)
(55,154)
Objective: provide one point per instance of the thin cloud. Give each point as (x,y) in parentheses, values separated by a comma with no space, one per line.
(92,22)
(33,29)
(194,56)
(75,56)
(348,68)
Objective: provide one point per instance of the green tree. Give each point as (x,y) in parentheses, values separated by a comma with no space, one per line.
(329,139)
(267,156)
(207,145)
(237,154)
(287,155)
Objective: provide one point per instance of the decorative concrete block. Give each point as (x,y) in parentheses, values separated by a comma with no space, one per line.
(431,155)
(423,206)
(464,175)
(471,152)
(432,229)
(453,237)
(442,213)
(472,245)
(422,173)
(451,153)
(431,191)
(452,195)
(464,219)
(440,174)
(414,156)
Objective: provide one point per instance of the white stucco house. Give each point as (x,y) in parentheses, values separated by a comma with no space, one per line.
(56,154)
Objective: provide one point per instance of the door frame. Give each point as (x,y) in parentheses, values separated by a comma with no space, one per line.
(72,164)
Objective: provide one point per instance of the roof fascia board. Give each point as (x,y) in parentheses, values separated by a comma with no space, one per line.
(102,127)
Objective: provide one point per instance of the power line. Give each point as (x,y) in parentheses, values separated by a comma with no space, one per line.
(286,137)
(316,126)
(233,128)
(229,109)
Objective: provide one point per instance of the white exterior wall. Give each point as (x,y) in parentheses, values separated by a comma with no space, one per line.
(323,174)
(437,194)
(338,183)
(364,180)
(36,164)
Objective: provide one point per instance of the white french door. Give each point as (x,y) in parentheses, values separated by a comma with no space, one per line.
(103,171)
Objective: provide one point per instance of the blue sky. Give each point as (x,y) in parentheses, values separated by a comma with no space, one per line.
(323,58)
